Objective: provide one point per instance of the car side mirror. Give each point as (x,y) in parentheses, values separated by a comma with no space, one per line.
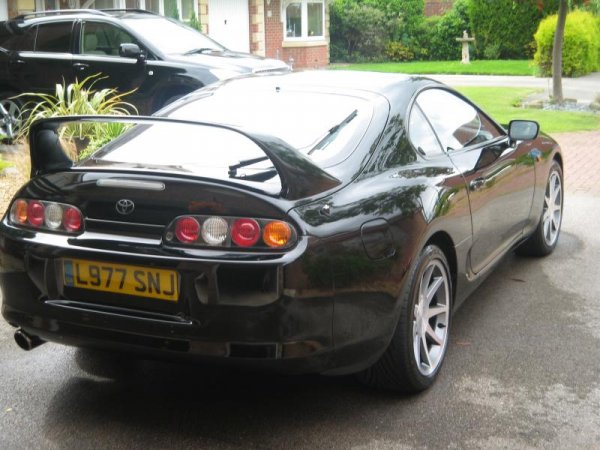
(128,50)
(523,130)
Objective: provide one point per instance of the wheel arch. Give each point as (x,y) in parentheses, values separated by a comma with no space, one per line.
(443,240)
(559,159)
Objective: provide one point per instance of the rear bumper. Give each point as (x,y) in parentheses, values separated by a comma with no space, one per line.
(294,333)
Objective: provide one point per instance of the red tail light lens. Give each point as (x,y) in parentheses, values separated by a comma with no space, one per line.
(245,232)
(35,213)
(187,230)
(72,219)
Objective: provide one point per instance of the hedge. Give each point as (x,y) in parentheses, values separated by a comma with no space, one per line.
(581,47)
(504,29)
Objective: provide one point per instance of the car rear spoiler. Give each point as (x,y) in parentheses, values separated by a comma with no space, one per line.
(300,176)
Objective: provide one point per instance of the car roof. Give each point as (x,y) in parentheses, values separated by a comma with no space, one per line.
(367,85)
(72,14)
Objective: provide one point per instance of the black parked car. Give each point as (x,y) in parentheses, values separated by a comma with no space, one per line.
(135,49)
(324,222)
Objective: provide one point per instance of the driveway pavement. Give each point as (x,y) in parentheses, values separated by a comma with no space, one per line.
(584,89)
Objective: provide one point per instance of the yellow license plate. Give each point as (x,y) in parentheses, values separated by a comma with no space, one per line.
(122,279)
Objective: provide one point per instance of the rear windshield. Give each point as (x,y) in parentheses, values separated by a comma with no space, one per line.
(325,127)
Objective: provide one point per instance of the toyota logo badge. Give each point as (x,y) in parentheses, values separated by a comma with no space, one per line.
(125,206)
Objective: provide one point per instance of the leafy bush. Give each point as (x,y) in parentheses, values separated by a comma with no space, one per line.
(403,17)
(443,45)
(358,31)
(581,47)
(397,51)
(506,25)
(78,98)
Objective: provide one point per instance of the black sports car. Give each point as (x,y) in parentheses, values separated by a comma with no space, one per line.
(323,222)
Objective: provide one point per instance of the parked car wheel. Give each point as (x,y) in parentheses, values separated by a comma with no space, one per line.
(10,115)
(415,355)
(543,241)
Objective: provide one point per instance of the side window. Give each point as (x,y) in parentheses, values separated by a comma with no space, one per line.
(27,42)
(54,37)
(104,39)
(421,135)
(456,122)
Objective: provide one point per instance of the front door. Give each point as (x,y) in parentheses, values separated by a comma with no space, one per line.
(229,24)
(499,176)
(98,53)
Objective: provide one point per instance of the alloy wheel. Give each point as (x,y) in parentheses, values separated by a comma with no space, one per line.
(431,318)
(9,118)
(552,214)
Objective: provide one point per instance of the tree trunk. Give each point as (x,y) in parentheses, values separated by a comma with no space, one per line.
(557,50)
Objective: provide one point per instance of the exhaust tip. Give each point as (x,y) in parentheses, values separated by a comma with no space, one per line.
(26,341)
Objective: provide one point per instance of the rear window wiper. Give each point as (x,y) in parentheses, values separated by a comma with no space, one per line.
(333,131)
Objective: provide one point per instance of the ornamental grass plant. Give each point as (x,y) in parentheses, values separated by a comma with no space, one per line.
(79,98)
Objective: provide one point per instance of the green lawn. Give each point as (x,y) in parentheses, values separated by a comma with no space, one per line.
(499,103)
(487,67)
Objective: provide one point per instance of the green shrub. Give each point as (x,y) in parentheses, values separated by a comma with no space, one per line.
(397,51)
(507,25)
(358,32)
(581,47)
(443,45)
(402,17)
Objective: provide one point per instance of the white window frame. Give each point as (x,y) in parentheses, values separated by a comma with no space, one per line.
(121,4)
(304,20)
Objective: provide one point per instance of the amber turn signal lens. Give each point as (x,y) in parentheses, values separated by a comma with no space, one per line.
(18,212)
(277,234)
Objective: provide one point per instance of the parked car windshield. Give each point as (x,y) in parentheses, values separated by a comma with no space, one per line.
(174,38)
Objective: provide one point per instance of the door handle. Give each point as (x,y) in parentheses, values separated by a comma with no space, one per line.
(477,184)
(19,62)
(80,66)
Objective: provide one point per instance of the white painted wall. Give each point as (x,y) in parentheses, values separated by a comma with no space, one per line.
(3,9)
(229,23)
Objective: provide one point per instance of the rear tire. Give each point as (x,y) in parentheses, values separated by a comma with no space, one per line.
(416,352)
(543,240)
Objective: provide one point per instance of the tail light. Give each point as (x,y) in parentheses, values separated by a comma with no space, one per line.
(187,230)
(35,213)
(277,234)
(49,216)
(245,232)
(231,232)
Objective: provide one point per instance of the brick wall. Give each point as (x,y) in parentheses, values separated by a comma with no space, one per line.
(437,7)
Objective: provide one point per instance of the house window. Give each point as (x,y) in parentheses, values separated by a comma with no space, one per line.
(304,19)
